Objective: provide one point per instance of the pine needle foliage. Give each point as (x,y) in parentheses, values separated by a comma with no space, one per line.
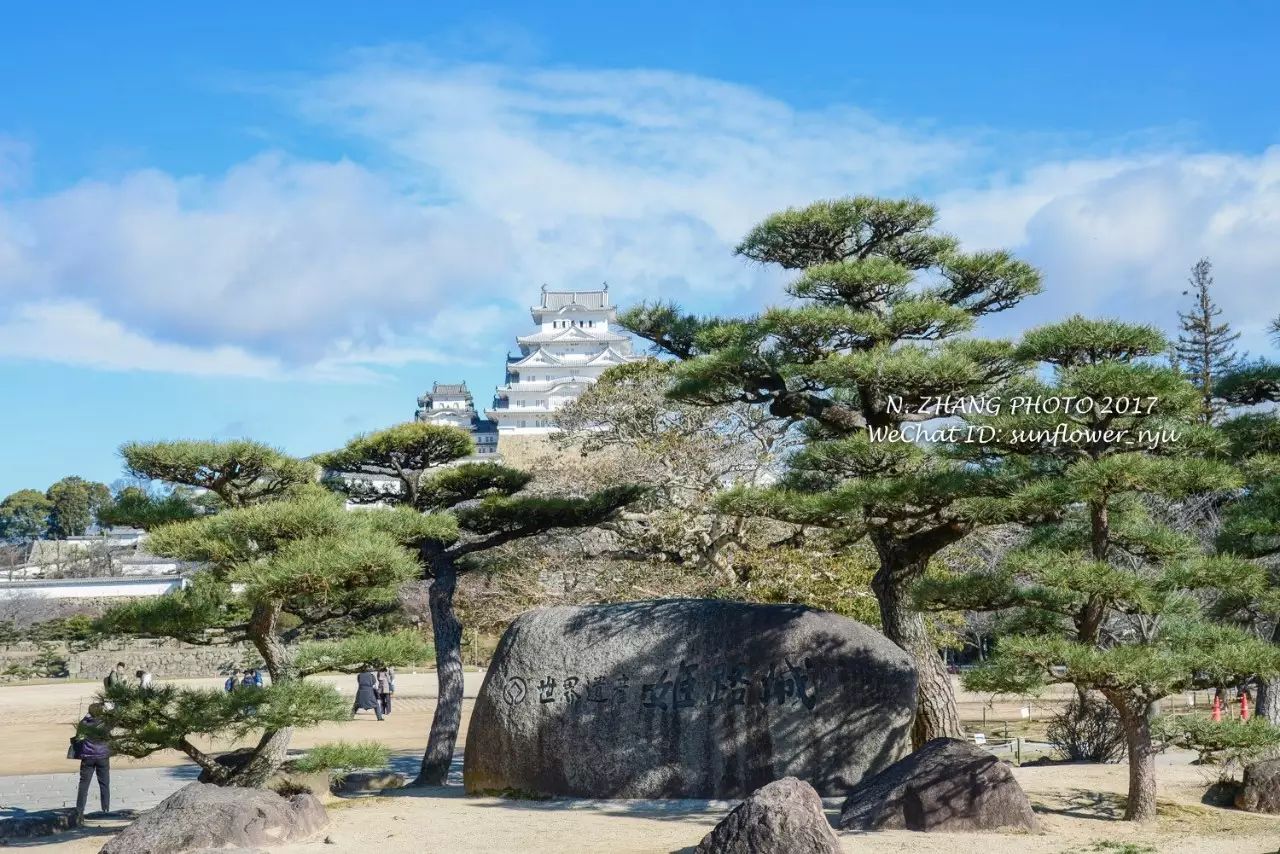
(1112,600)
(462,510)
(876,334)
(280,557)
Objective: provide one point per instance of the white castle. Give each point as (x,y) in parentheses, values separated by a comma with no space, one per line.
(451,405)
(573,345)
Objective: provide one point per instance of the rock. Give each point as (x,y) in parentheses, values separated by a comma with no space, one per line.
(365,782)
(947,785)
(200,816)
(686,698)
(1221,794)
(39,823)
(288,782)
(784,817)
(1260,788)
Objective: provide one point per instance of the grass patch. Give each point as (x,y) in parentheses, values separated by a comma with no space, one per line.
(1111,846)
(342,757)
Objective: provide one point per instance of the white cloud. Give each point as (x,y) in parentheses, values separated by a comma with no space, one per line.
(76,334)
(481,182)
(1119,236)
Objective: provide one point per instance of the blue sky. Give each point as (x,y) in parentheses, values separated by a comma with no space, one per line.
(284,221)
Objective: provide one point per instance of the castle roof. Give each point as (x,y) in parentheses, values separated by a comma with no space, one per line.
(586,299)
(570,333)
(450,389)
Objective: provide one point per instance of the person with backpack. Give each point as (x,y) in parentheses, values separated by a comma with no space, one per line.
(233,681)
(95,759)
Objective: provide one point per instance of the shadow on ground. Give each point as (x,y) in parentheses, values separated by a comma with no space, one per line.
(1083,803)
(93,827)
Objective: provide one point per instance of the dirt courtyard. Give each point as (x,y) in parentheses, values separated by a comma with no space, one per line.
(37,720)
(1078,805)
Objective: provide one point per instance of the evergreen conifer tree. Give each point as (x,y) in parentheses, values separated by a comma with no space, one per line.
(1204,350)
(296,558)
(1112,594)
(1251,522)
(483,508)
(877,337)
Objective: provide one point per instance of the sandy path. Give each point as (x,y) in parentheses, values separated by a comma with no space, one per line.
(37,720)
(1077,805)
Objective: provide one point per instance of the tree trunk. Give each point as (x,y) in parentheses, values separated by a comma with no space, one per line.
(447,632)
(1141,805)
(273,747)
(264,632)
(1269,700)
(269,754)
(936,713)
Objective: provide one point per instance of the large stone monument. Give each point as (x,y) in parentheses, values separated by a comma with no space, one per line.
(687,698)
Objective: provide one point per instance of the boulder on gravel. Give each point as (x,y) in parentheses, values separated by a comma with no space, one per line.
(201,815)
(687,698)
(39,823)
(784,817)
(370,782)
(1260,788)
(947,785)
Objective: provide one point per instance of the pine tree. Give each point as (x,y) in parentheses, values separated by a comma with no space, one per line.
(1251,523)
(1114,595)
(1253,382)
(876,338)
(280,556)
(479,508)
(1204,350)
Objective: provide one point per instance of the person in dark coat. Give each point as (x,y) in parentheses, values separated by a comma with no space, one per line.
(367,694)
(95,759)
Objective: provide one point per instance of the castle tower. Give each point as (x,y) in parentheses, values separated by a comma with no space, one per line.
(573,344)
(451,404)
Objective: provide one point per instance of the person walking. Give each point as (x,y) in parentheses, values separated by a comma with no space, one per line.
(233,681)
(386,687)
(367,694)
(95,760)
(115,677)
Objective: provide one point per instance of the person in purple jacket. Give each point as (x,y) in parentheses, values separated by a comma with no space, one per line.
(95,758)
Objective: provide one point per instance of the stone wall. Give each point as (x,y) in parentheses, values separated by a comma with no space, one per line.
(163,658)
(526,451)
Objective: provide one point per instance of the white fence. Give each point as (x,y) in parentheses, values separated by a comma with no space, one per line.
(92,588)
